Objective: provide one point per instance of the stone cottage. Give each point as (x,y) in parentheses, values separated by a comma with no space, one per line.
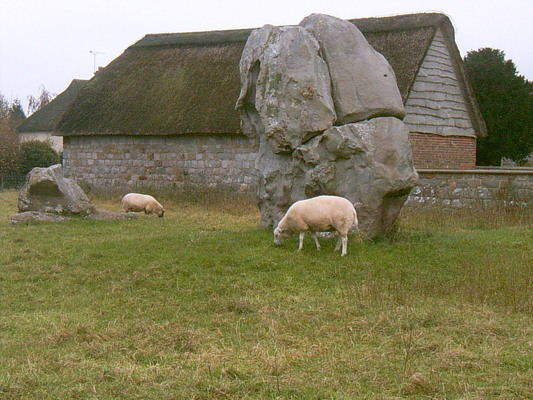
(163,113)
(41,125)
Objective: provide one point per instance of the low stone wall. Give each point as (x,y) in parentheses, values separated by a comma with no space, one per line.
(164,162)
(228,162)
(481,186)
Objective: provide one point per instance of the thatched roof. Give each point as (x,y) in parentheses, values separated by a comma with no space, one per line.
(47,118)
(182,83)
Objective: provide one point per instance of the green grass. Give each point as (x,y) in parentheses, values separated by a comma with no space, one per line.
(201,305)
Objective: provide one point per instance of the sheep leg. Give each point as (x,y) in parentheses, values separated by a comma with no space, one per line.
(344,245)
(302,234)
(338,246)
(316,240)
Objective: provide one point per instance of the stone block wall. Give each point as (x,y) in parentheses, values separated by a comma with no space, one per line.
(462,188)
(167,162)
(224,161)
(448,152)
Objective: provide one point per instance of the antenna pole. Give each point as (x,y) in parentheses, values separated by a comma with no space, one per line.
(95,53)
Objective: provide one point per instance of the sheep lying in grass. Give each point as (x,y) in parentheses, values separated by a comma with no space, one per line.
(318,214)
(142,202)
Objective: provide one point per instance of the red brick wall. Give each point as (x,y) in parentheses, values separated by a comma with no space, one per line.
(449,152)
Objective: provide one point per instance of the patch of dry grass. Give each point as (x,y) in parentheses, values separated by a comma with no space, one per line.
(478,216)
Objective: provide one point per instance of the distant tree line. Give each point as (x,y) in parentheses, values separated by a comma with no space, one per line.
(19,158)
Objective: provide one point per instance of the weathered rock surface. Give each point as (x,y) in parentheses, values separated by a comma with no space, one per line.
(47,196)
(28,217)
(361,151)
(106,215)
(363,83)
(277,183)
(286,89)
(47,190)
(368,163)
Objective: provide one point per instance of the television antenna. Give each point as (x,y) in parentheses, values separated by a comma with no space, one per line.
(95,53)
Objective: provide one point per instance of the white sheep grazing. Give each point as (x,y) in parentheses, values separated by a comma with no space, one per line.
(318,214)
(142,202)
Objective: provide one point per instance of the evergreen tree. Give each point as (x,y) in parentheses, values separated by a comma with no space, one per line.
(9,145)
(4,107)
(16,113)
(37,154)
(506,102)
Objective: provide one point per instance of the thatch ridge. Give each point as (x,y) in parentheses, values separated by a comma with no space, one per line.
(179,83)
(193,38)
(47,118)
(399,22)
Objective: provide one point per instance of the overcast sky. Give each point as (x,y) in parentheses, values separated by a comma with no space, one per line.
(49,42)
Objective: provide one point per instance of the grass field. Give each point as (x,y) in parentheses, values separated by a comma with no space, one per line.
(200,304)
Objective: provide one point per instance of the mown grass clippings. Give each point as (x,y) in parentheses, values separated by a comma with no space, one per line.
(201,304)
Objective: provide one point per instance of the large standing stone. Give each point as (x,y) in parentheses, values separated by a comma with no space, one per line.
(284,106)
(47,190)
(363,83)
(286,89)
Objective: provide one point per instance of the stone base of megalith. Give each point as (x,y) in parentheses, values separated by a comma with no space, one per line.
(369,163)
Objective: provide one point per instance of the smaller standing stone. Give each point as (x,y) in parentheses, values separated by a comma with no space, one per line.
(47,190)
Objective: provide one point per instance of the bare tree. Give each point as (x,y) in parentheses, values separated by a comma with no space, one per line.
(36,103)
